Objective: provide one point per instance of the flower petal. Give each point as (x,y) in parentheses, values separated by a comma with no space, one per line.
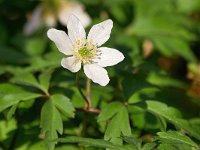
(76,9)
(109,57)
(97,74)
(100,33)
(34,22)
(61,40)
(71,64)
(75,29)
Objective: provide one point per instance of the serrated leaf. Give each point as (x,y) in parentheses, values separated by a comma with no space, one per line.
(163,123)
(125,125)
(109,111)
(44,80)
(113,131)
(193,130)
(149,146)
(51,122)
(137,143)
(166,147)
(119,125)
(26,79)
(63,104)
(11,111)
(174,137)
(98,143)
(162,109)
(172,115)
(30,80)
(11,94)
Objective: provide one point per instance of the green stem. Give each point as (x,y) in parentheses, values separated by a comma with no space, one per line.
(87,98)
(88,92)
(80,91)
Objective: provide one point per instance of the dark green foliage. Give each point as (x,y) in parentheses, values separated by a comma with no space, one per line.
(151,103)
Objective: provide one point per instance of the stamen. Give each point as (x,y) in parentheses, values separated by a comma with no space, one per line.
(85,51)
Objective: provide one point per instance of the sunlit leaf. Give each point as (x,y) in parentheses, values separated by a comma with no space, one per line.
(173,116)
(11,111)
(135,142)
(166,147)
(12,94)
(63,104)
(119,125)
(149,146)
(51,123)
(44,80)
(91,142)
(174,137)
(109,111)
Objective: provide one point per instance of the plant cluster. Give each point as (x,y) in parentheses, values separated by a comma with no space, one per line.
(55,92)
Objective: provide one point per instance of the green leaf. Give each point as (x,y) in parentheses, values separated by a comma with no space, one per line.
(12,56)
(113,131)
(119,125)
(188,6)
(149,146)
(51,122)
(50,61)
(138,82)
(7,126)
(124,118)
(192,129)
(172,115)
(174,137)
(164,80)
(11,111)
(166,147)
(99,93)
(163,123)
(137,116)
(109,111)
(98,143)
(163,110)
(26,79)
(35,46)
(63,104)
(118,12)
(12,94)
(30,80)
(175,46)
(137,143)
(143,94)
(44,80)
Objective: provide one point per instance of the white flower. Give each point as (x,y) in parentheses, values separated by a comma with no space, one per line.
(86,51)
(49,11)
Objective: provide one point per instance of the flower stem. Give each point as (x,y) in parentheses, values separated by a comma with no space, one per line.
(88,92)
(87,107)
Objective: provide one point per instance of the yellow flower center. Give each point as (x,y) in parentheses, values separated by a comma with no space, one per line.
(85,51)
